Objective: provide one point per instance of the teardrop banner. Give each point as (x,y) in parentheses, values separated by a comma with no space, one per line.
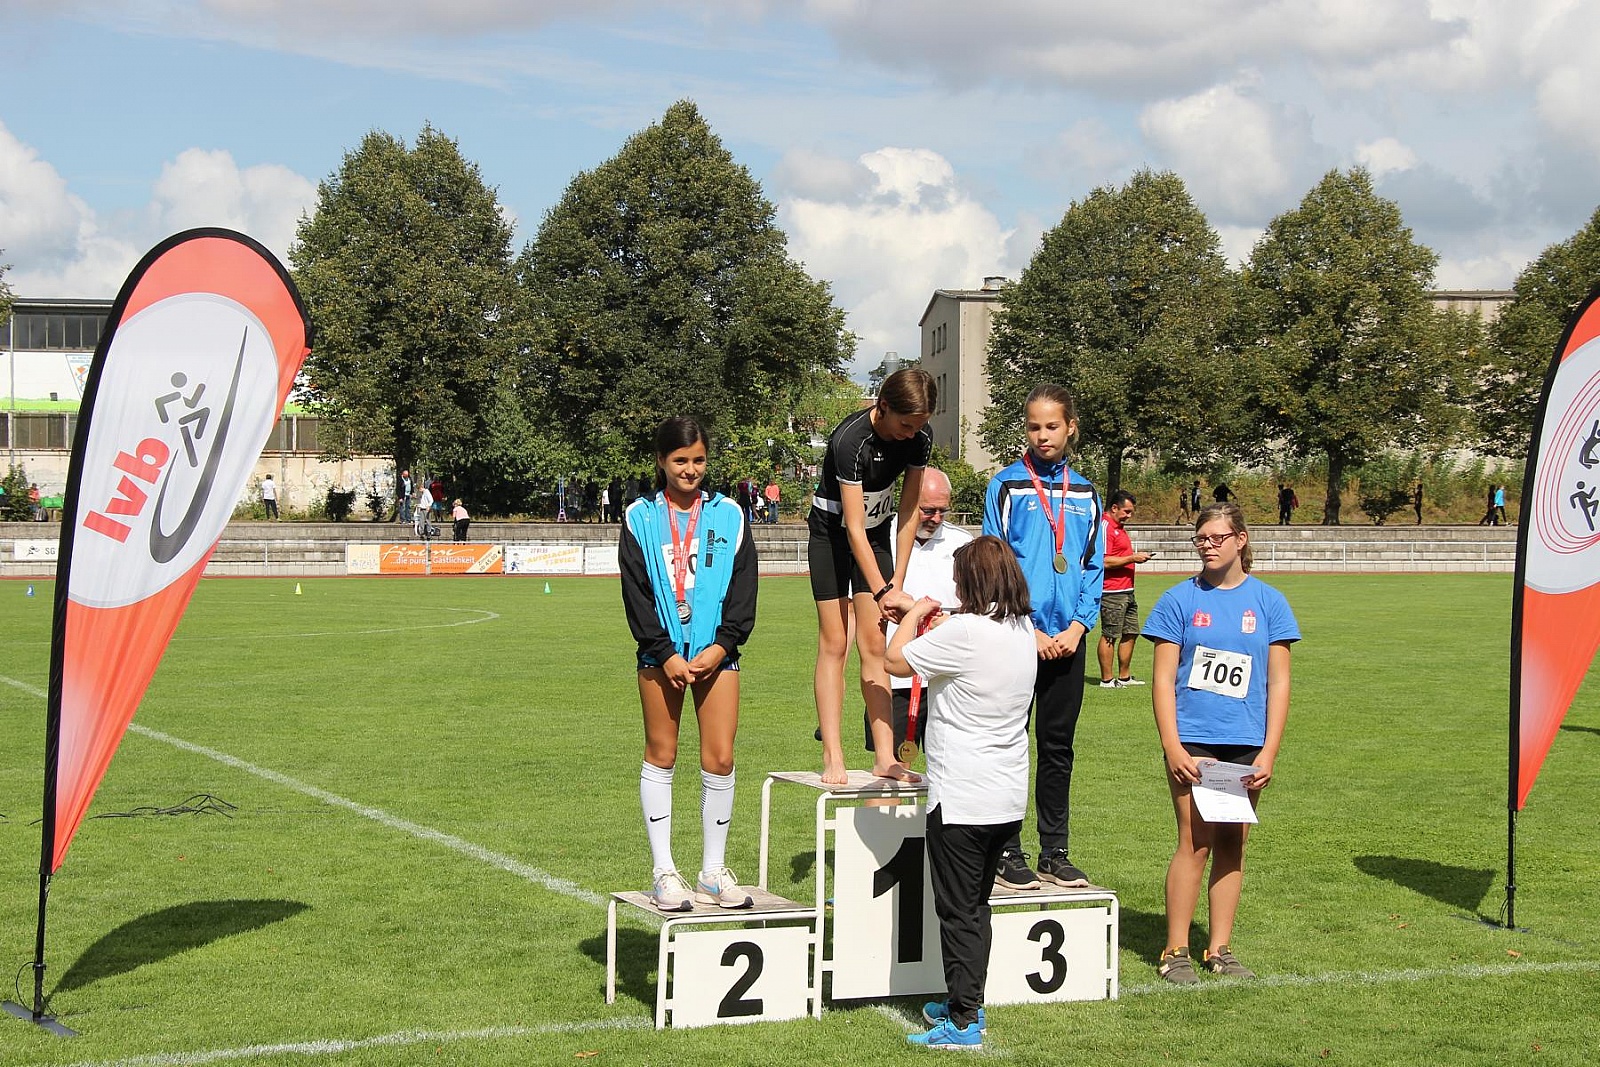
(198,357)
(1555,610)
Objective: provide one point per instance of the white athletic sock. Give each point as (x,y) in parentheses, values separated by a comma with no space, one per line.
(655,797)
(716,811)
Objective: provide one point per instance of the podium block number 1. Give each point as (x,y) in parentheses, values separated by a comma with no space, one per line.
(884,933)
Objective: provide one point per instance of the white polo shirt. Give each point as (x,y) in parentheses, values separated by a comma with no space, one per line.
(931,573)
(980,683)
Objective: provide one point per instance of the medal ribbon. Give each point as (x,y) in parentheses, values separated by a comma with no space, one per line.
(1057,527)
(916,691)
(680,550)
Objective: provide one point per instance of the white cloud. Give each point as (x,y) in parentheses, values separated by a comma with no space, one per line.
(1385,156)
(59,247)
(1241,156)
(887,247)
(207,188)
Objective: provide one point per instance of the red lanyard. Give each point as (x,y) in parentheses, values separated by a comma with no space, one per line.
(681,550)
(1057,527)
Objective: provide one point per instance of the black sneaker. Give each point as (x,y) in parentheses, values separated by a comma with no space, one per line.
(1014,872)
(1055,867)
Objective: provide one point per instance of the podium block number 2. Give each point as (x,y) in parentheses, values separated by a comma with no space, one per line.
(740,976)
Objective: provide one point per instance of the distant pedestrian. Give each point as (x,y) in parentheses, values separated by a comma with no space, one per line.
(1222,494)
(269,497)
(1183,504)
(461,520)
(436,490)
(404,489)
(1287,502)
(1194,498)
(1416,502)
(1500,505)
(774,495)
(1488,508)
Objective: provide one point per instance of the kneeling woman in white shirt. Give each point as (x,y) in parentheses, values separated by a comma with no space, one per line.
(979,662)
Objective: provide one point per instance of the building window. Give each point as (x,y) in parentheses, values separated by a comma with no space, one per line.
(52,332)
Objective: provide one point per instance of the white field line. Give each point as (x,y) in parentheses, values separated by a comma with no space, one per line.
(901,1019)
(494,859)
(483,615)
(1400,975)
(335,1046)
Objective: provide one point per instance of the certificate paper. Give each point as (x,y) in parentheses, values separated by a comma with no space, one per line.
(1220,795)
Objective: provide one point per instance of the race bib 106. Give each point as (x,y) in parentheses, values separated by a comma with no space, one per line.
(1218,671)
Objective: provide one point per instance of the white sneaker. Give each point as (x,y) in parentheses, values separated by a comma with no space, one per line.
(721,887)
(1130,680)
(1112,684)
(671,892)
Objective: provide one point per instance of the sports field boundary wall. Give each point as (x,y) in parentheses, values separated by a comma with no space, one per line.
(297,549)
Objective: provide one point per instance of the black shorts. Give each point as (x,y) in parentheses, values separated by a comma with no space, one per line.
(835,574)
(901,713)
(1242,754)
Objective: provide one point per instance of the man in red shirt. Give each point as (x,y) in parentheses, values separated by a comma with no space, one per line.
(1119,612)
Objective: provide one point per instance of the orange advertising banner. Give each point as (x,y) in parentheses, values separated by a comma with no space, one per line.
(433,557)
(200,351)
(1555,619)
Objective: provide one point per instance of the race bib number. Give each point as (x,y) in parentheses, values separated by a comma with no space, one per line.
(1218,671)
(879,505)
(694,563)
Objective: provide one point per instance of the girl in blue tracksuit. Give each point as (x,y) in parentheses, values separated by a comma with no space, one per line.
(689,587)
(1050,517)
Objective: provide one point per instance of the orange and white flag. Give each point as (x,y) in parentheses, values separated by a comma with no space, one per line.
(201,349)
(1555,618)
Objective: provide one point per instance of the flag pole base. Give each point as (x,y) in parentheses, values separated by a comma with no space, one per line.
(49,1022)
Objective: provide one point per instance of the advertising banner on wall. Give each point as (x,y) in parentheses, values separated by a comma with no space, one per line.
(424,557)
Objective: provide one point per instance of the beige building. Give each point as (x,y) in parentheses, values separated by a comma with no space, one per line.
(1484,303)
(955,343)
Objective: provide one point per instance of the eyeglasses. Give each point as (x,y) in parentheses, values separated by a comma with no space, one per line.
(931,512)
(1214,540)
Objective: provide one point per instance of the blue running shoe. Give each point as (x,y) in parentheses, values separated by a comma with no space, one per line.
(946,1036)
(936,1011)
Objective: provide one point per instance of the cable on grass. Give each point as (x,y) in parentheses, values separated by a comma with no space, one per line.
(199,804)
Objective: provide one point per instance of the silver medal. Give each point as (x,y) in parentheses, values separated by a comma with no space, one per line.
(684,611)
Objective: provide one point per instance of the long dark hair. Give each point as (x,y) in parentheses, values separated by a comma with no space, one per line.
(1051,393)
(909,391)
(989,580)
(678,431)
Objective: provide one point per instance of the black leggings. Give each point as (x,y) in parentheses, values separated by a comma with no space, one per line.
(1057,701)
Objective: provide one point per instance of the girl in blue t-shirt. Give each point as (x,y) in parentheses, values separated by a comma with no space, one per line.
(1220,685)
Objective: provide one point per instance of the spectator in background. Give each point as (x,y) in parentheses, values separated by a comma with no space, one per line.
(269,497)
(436,490)
(1286,504)
(1119,611)
(774,496)
(1194,498)
(1499,505)
(403,489)
(461,520)
(1416,502)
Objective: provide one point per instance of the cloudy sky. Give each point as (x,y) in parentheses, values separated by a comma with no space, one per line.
(908,144)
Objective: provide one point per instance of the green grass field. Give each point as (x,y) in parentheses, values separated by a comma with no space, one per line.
(303,931)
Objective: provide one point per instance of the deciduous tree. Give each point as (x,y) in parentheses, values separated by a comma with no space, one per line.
(405,267)
(1124,303)
(660,285)
(1523,339)
(1356,358)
